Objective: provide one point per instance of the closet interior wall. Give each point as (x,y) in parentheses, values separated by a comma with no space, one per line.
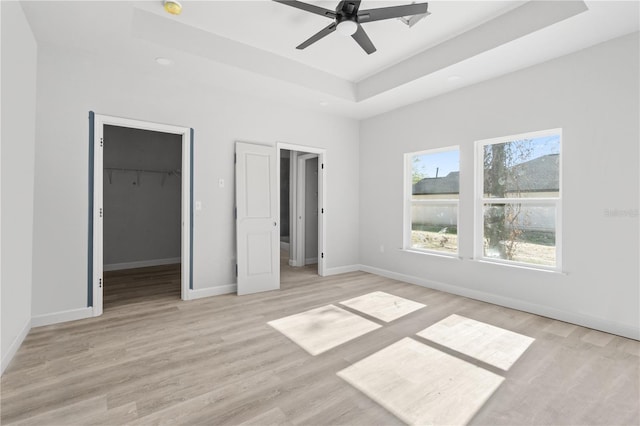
(142,197)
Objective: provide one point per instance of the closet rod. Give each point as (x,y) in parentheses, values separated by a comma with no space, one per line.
(164,173)
(177,171)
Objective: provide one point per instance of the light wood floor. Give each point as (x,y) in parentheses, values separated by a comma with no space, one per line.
(142,285)
(215,361)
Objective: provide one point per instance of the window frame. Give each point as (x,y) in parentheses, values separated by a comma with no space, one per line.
(409,202)
(480,200)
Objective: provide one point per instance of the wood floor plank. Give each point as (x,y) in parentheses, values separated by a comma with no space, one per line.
(154,359)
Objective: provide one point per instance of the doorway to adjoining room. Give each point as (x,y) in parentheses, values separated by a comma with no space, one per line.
(300,174)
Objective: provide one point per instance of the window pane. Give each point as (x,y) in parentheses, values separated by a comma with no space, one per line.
(523,168)
(521,233)
(434,227)
(435,175)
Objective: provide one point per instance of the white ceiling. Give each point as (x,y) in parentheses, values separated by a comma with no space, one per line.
(278,29)
(249,46)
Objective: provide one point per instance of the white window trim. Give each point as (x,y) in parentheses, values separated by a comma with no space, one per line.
(480,200)
(408,203)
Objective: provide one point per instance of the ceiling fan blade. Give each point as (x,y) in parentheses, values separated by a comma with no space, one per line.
(320,34)
(371,15)
(349,7)
(309,8)
(363,40)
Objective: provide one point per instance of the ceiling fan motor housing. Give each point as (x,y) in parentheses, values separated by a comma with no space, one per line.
(347,16)
(347,25)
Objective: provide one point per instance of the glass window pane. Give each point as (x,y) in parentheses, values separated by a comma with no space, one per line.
(520,232)
(523,168)
(434,227)
(435,175)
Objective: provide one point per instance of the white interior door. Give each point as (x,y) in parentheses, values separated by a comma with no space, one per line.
(257,227)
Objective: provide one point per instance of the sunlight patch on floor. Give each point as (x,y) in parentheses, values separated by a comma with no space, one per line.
(493,345)
(383,306)
(322,329)
(422,385)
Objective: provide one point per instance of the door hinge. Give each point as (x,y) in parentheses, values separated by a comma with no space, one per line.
(322,256)
(236,269)
(235,158)
(100,282)
(235,213)
(100,211)
(322,166)
(101,142)
(322,211)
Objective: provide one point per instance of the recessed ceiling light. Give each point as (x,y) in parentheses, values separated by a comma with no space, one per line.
(454,78)
(164,61)
(324,103)
(173,7)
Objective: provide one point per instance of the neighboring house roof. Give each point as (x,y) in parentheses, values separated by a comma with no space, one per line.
(537,175)
(448,184)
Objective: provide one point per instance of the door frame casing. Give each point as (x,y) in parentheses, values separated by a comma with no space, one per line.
(322,205)
(100,120)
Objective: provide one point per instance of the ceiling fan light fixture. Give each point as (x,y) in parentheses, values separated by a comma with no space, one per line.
(347,27)
(173,7)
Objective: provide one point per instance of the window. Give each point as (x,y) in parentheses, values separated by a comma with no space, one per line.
(432,182)
(518,199)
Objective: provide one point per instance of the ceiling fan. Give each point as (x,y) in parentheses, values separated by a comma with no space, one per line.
(347,19)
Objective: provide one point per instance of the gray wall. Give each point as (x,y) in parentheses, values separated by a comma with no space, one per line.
(311,211)
(19,53)
(142,218)
(593,96)
(71,83)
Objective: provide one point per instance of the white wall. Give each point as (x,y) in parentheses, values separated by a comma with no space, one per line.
(19,53)
(71,84)
(593,96)
(142,213)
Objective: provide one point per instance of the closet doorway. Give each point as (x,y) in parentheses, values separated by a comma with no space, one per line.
(141,228)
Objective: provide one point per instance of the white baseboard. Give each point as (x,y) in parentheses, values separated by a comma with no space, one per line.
(141,264)
(284,245)
(595,323)
(212,291)
(63,316)
(341,270)
(15,345)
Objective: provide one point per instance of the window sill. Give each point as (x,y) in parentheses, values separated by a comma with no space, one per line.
(485,261)
(432,253)
(519,266)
